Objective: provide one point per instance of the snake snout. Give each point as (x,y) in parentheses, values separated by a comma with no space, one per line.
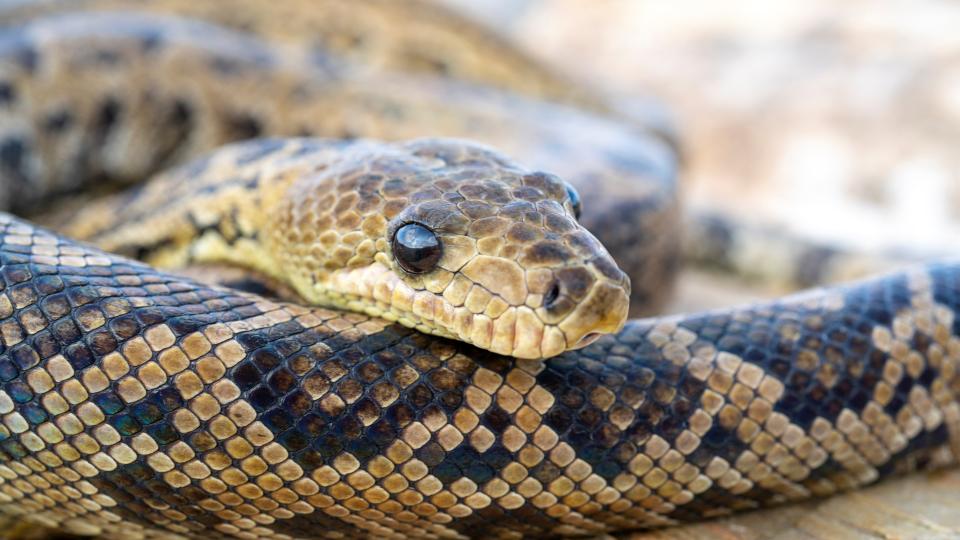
(583,303)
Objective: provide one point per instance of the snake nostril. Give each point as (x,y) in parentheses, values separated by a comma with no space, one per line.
(553,294)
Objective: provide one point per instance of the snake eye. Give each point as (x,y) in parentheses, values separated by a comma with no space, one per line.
(574,200)
(416,248)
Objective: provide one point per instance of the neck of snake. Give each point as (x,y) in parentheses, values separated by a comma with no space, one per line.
(222,223)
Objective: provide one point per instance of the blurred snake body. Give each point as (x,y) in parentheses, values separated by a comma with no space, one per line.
(137,403)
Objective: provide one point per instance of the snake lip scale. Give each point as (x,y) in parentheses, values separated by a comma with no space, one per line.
(161,403)
(139,403)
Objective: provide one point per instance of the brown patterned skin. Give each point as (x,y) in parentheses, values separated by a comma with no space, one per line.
(516,274)
(136,402)
(98,99)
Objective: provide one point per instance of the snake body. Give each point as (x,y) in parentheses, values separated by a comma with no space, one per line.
(139,403)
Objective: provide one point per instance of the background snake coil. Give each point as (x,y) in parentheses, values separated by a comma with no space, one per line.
(139,403)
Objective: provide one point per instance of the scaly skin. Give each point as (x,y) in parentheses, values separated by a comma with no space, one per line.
(320,215)
(137,402)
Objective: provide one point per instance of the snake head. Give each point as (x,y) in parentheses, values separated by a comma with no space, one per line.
(453,239)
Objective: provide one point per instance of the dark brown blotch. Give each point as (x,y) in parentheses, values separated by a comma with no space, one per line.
(663,392)
(369,372)
(350,390)
(442,216)
(547,253)
(561,305)
(384,393)
(404,376)
(401,415)
(301,364)
(282,380)
(420,396)
(102,342)
(443,379)
(316,384)
(298,404)
(608,268)
(523,233)
(576,282)
(125,327)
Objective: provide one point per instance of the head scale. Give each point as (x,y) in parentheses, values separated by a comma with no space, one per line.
(453,239)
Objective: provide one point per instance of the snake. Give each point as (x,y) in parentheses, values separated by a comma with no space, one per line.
(140,402)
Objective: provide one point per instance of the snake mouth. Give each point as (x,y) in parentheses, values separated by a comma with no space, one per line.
(518,331)
(586,340)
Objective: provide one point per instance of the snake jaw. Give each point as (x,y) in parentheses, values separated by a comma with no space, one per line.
(519,331)
(586,341)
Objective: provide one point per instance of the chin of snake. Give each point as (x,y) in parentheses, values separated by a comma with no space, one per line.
(139,403)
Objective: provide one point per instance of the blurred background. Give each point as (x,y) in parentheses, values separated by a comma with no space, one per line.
(835,120)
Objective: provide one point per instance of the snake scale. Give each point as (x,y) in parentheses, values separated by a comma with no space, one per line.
(138,403)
